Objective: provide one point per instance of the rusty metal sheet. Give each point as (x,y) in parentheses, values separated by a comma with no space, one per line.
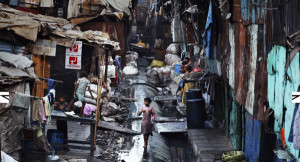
(96,2)
(236,13)
(240,41)
(261,81)
(253,29)
(225,46)
(253,11)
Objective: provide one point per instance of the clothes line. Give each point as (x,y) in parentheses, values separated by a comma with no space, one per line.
(58,81)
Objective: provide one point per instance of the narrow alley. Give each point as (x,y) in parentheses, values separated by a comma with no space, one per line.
(149,80)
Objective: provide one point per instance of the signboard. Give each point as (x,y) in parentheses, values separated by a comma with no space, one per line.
(73,56)
(44,46)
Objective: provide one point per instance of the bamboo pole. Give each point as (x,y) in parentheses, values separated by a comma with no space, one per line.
(43,74)
(99,94)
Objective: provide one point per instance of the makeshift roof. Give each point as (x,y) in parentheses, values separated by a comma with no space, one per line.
(28,26)
(99,7)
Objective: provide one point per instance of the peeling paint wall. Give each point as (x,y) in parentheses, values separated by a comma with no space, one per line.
(253,50)
(276,83)
(280,90)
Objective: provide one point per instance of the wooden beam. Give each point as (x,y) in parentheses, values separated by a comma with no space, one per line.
(81,20)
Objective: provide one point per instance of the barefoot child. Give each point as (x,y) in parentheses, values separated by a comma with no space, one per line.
(146,126)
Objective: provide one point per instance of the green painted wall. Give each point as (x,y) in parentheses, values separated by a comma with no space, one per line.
(280,90)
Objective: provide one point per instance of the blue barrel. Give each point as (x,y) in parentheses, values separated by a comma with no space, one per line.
(55,137)
(195,113)
(193,94)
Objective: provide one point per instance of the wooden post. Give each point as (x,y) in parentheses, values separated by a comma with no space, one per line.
(106,65)
(99,94)
(43,73)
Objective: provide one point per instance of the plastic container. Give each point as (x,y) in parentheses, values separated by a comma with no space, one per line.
(195,113)
(177,68)
(55,137)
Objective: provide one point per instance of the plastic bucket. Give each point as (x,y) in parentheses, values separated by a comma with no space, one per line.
(55,137)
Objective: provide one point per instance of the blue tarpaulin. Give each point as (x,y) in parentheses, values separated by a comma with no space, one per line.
(207,36)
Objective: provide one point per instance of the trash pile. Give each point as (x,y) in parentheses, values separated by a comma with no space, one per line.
(160,72)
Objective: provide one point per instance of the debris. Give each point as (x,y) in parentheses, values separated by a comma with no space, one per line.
(106,125)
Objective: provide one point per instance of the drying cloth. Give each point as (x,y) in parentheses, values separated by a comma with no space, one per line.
(50,84)
(290,139)
(47,109)
(21,100)
(37,110)
(296,133)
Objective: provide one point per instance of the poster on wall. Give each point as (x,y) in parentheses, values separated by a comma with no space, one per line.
(73,56)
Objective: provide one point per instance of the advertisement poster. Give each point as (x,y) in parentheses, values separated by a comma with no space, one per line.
(73,56)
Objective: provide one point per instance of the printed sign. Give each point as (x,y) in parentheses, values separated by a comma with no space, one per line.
(73,56)
(4,97)
(295,97)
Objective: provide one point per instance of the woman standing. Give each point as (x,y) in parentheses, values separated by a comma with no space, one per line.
(146,126)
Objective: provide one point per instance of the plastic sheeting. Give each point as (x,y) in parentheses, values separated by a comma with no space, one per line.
(19,61)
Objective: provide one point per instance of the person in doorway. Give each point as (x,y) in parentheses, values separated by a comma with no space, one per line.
(146,125)
(79,91)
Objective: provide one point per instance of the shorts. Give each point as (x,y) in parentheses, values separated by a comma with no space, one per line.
(80,96)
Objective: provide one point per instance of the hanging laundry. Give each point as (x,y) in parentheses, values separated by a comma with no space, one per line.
(208,35)
(47,109)
(37,110)
(290,139)
(50,84)
(296,131)
(21,100)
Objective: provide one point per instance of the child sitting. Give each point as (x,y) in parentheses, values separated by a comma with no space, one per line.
(61,105)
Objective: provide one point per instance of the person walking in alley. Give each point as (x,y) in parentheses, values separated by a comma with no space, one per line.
(147,126)
(79,91)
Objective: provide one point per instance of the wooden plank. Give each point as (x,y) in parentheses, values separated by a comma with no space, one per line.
(81,20)
(116,128)
(171,127)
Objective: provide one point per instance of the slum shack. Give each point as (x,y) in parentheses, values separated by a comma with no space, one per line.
(31,48)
